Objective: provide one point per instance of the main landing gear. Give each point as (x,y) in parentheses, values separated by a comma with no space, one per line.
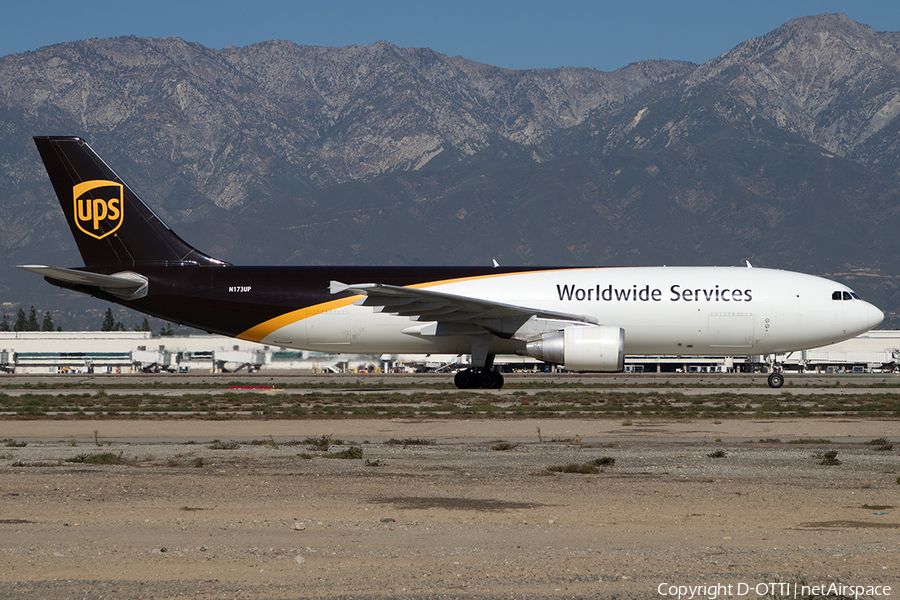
(481,374)
(473,379)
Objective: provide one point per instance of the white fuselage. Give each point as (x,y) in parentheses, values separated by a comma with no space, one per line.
(663,311)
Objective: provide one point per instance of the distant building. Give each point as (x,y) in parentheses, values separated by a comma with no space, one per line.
(134,352)
(125,352)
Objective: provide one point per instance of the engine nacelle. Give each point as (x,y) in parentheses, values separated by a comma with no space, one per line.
(576,348)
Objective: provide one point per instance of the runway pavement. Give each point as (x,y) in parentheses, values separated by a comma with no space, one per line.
(361,383)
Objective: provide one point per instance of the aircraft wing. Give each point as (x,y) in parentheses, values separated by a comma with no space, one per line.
(453,313)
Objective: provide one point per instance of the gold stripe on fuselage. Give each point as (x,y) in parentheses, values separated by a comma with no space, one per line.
(258,333)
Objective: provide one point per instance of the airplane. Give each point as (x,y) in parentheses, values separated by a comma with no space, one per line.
(584,319)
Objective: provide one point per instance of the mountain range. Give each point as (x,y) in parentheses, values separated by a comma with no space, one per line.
(784,152)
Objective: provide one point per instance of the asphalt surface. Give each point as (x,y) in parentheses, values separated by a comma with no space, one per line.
(687,383)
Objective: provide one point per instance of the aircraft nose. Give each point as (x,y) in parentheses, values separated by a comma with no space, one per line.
(874,317)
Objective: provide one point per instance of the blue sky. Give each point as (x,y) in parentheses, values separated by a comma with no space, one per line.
(518,34)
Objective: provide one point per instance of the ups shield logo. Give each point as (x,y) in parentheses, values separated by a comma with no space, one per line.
(98,207)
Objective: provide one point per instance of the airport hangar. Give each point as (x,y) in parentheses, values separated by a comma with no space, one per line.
(134,352)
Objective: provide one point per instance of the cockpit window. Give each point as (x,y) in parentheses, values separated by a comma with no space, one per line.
(839,295)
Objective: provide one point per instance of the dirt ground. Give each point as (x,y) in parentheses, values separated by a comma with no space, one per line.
(439,509)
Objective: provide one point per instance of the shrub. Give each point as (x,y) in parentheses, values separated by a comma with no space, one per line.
(503,446)
(586,469)
(881,444)
(104,458)
(323,442)
(829,458)
(353,452)
(410,442)
(220,445)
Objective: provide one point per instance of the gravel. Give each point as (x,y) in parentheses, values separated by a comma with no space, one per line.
(452,519)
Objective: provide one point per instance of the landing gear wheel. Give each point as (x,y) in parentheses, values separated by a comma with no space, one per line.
(486,380)
(776,380)
(498,380)
(470,380)
(490,380)
(465,380)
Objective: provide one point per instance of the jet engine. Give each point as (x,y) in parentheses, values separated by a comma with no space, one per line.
(577,348)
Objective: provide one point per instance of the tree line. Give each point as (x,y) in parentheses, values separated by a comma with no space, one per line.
(30,322)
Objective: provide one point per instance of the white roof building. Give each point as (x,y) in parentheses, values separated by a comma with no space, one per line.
(131,352)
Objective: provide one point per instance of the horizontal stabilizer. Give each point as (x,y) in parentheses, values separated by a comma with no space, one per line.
(337,287)
(127,285)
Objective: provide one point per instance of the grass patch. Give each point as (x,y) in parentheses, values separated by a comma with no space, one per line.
(663,400)
(717,454)
(828,458)
(220,445)
(579,468)
(103,458)
(323,442)
(268,442)
(502,446)
(881,444)
(410,442)
(354,452)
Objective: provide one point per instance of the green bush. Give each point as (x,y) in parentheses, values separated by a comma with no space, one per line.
(585,469)
(353,452)
(104,458)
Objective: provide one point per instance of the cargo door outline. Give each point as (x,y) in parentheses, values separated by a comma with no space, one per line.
(731,330)
(331,328)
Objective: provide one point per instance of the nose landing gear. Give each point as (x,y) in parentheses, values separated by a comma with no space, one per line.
(775,380)
(776,376)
